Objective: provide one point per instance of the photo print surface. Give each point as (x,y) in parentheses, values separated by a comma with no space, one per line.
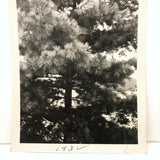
(78,67)
(78,71)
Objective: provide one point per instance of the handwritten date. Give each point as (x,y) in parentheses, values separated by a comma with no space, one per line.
(70,148)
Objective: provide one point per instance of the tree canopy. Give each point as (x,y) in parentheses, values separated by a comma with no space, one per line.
(76,59)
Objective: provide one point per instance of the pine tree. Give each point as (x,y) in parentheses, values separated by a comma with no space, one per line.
(74,68)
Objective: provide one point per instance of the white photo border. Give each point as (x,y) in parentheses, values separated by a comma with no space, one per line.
(141,147)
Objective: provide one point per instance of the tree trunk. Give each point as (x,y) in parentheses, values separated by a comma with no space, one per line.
(68,106)
(68,96)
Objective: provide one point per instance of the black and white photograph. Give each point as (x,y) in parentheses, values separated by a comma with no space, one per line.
(78,76)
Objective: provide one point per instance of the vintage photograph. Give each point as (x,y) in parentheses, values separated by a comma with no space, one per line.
(78,71)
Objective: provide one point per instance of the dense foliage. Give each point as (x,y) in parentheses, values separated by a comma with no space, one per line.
(77,61)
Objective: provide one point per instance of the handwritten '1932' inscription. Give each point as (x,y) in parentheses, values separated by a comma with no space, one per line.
(70,148)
